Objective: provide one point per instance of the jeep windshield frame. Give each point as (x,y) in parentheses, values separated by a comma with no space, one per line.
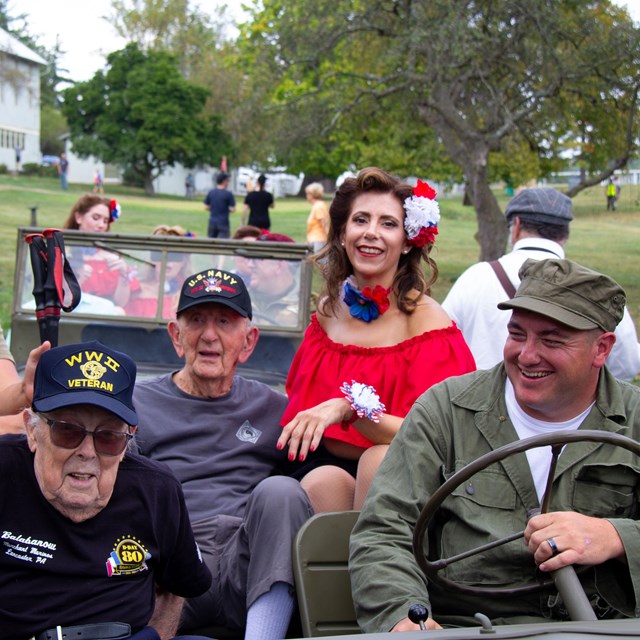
(277,274)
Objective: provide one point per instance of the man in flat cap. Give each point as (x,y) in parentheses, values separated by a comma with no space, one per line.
(90,531)
(218,432)
(538,221)
(553,378)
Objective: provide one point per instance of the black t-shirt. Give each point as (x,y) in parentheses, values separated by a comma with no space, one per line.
(259,203)
(56,572)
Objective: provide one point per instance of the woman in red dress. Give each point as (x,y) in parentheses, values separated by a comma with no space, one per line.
(377,342)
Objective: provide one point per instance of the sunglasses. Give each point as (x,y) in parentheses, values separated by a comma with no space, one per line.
(69,436)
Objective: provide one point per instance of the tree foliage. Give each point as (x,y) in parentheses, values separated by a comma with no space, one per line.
(476,79)
(207,56)
(142,114)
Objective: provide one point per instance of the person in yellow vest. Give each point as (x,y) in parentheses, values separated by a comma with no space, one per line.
(611,195)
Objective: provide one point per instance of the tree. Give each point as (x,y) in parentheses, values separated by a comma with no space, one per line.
(485,76)
(207,56)
(142,114)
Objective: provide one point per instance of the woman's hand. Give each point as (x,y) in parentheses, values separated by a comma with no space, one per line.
(304,432)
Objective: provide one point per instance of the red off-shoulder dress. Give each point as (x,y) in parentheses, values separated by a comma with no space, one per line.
(399,373)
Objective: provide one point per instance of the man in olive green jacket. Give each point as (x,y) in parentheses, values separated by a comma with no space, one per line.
(553,378)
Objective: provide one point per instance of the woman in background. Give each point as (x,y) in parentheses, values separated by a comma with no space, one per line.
(101,273)
(377,342)
(258,204)
(318,220)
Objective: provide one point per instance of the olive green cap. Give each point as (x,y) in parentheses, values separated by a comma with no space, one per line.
(569,293)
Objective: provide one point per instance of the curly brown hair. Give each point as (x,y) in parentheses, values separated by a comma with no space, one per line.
(334,264)
(82,206)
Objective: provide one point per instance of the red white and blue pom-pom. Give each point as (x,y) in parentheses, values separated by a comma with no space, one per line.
(114,210)
(363,400)
(368,304)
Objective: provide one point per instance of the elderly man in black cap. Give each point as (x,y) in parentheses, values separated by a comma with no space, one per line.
(553,378)
(90,530)
(219,432)
(538,221)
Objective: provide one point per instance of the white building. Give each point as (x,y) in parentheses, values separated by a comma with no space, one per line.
(19,101)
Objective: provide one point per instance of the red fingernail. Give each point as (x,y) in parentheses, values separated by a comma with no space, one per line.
(279,446)
(312,447)
(301,457)
(291,457)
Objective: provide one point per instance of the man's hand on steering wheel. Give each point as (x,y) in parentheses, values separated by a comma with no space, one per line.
(563,538)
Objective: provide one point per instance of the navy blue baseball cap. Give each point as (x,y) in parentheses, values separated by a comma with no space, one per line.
(86,373)
(215,285)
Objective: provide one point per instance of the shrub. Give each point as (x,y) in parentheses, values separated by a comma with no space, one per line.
(30,169)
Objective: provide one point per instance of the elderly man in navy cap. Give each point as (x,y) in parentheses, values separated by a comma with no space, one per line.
(538,221)
(90,531)
(218,431)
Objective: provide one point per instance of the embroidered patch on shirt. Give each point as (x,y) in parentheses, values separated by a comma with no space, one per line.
(248,433)
(128,556)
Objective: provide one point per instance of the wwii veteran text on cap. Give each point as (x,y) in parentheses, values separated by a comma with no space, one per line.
(541,204)
(86,373)
(569,293)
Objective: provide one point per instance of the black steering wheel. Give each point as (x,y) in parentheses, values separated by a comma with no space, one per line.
(556,441)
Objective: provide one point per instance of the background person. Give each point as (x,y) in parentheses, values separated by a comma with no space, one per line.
(553,378)
(377,326)
(218,432)
(318,220)
(239,264)
(98,185)
(538,221)
(220,202)
(611,193)
(258,203)
(144,301)
(90,518)
(275,286)
(63,169)
(100,272)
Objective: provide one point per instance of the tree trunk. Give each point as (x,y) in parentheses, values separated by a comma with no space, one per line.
(471,153)
(148,185)
(492,228)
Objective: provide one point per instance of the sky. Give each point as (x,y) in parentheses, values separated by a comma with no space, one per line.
(84,35)
(87,38)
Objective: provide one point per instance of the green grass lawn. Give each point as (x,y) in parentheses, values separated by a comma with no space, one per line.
(602,240)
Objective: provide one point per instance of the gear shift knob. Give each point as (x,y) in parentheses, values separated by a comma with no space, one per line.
(418,614)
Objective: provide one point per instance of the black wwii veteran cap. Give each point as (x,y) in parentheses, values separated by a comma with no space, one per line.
(86,373)
(541,204)
(215,285)
(568,293)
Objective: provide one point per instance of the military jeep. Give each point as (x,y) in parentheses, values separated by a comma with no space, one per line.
(155,267)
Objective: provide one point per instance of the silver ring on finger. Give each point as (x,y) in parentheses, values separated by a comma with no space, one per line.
(554,547)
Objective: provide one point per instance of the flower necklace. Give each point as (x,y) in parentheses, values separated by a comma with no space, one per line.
(368,304)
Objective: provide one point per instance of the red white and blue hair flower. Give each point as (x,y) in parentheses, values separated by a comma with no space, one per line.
(422,215)
(114,210)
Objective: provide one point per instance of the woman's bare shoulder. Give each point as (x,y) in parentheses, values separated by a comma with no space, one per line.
(428,316)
